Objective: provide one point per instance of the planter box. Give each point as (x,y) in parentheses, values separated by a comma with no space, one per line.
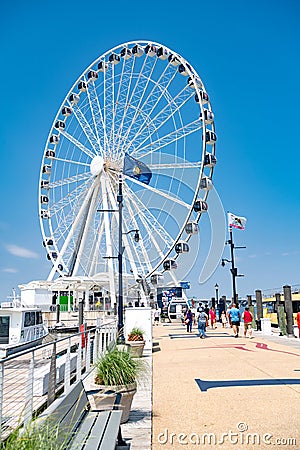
(136,348)
(108,397)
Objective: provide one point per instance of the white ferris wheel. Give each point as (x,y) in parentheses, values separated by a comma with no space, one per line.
(139,115)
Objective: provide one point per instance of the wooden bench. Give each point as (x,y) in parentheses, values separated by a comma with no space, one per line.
(78,428)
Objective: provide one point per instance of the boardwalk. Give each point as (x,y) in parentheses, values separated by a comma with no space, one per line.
(223,392)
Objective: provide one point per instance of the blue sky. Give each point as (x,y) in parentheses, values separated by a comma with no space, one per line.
(248,57)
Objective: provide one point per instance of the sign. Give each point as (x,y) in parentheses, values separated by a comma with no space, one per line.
(185,284)
(166,294)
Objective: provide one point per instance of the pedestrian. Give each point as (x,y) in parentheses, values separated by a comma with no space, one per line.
(298,321)
(199,308)
(189,320)
(228,316)
(247,317)
(223,319)
(206,309)
(235,317)
(212,317)
(202,321)
(182,316)
(156,316)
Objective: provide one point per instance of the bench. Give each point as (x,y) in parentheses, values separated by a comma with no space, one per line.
(78,428)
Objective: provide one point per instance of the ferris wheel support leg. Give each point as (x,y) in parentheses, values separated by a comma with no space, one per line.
(71,233)
(91,207)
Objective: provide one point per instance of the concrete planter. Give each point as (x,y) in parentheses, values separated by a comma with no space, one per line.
(136,348)
(106,397)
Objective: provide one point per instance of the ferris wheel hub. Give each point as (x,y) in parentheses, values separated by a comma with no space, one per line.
(97,165)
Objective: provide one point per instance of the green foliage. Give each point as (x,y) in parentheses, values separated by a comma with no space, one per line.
(136,331)
(33,437)
(117,367)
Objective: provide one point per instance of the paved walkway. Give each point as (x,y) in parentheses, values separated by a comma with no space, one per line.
(137,431)
(223,392)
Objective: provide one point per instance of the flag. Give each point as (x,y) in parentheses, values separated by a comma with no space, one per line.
(136,169)
(236,221)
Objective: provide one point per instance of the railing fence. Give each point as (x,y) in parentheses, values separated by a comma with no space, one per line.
(30,380)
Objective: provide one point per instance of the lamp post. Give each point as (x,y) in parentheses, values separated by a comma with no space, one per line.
(121,337)
(233,269)
(217,293)
(120,265)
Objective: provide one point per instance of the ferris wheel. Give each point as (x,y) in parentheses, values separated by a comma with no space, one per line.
(138,117)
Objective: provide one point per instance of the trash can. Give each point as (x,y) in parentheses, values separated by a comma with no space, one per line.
(266,326)
(258,325)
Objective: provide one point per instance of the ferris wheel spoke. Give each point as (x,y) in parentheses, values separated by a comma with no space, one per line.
(169,139)
(95,112)
(69,180)
(70,161)
(158,192)
(138,90)
(67,203)
(78,144)
(120,98)
(98,117)
(163,116)
(158,91)
(152,227)
(148,216)
(107,105)
(86,128)
(145,257)
(112,108)
(174,166)
(95,253)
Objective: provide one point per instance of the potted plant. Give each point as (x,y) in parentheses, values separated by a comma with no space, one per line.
(116,372)
(136,341)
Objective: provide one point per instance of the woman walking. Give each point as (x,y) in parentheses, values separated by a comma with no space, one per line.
(189,320)
(202,320)
(212,316)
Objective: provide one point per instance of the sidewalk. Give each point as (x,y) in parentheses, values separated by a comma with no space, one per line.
(223,392)
(137,431)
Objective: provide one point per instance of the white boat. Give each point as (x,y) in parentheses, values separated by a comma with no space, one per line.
(21,327)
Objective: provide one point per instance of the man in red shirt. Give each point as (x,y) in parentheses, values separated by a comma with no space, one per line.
(247,316)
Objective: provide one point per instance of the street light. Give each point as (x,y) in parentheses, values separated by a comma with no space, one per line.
(121,337)
(136,237)
(217,293)
(233,269)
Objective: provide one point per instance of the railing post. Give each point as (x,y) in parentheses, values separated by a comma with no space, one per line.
(96,346)
(1,395)
(52,377)
(288,306)
(88,352)
(67,377)
(101,338)
(79,362)
(29,392)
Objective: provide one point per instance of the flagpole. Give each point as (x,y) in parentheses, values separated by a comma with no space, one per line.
(233,269)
